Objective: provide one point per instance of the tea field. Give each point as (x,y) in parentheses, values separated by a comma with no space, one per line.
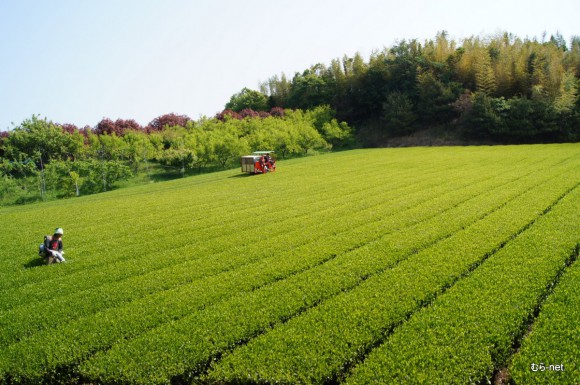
(452,265)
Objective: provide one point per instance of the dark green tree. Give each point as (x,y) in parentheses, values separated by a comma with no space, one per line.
(309,89)
(398,114)
(248,99)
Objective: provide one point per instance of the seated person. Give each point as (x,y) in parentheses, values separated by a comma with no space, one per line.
(53,247)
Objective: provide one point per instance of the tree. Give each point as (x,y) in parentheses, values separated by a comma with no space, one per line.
(398,114)
(248,99)
(435,98)
(337,134)
(308,138)
(3,136)
(572,58)
(484,75)
(42,141)
(487,116)
(309,89)
(68,128)
(168,120)
(277,90)
(106,126)
(228,114)
(76,180)
(567,97)
(284,139)
(139,148)
(228,148)
(118,127)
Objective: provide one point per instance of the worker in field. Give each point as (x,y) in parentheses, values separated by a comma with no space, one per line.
(270,162)
(51,249)
(263,163)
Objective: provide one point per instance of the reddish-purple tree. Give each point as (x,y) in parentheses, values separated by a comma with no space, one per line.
(118,127)
(128,124)
(85,131)
(277,112)
(106,126)
(68,128)
(169,120)
(248,113)
(231,113)
(264,114)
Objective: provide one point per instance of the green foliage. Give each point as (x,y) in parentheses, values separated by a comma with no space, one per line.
(40,141)
(9,187)
(140,149)
(552,345)
(42,153)
(413,85)
(516,120)
(567,95)
(469,331)
(85,177)
(484,76)
(248,99)
(318,345)
(487,116)
(398,114)
(309,89)
(435,98)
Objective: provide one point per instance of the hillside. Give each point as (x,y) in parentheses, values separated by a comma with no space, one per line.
(393,265)
(500,88)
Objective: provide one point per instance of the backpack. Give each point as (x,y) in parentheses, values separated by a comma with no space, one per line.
(42,249)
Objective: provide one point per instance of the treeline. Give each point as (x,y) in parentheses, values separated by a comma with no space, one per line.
(42,160)
(499,88)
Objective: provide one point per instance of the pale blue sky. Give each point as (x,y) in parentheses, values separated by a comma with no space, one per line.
(77,61)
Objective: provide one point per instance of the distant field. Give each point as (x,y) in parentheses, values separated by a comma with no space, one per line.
(396,266)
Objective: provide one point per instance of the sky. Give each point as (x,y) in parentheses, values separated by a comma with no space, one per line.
(79,61)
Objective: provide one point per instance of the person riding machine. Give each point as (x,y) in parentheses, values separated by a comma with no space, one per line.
(51,248)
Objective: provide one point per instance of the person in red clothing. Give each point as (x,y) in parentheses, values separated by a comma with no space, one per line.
(53,247)
(263,164)
(270,163)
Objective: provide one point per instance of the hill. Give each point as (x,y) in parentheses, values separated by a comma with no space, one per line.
(392,265)
(498,88)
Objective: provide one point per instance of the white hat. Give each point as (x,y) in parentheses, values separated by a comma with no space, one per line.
(58,231)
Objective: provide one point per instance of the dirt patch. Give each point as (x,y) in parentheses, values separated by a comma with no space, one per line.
(501,377)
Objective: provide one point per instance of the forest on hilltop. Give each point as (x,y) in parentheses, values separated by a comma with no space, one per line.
(500,88)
